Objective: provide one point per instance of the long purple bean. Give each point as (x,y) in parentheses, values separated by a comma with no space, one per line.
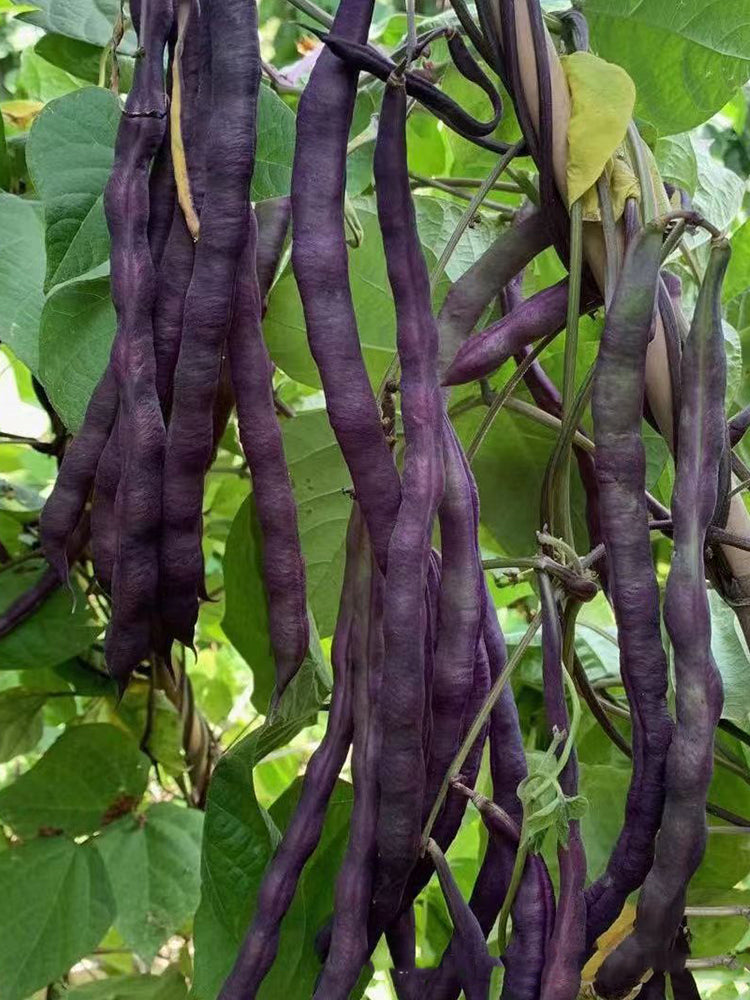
(534,318)
(617,406)
(141,432)
(738,426)
(273,217)
(402,766)
(303,832)
(699,699)
(468,297)
(235,78)
(320,262)
(283,565)
(348,949)
(561,976)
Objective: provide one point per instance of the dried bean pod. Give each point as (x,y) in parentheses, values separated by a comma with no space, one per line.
(617,405)
(699,699)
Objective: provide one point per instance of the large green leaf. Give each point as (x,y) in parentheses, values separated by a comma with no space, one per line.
(687,59)
(77,328)
(20,721)
(87,20)
(55,907)
(58,629)
(70,153)
(730,652)
(246,617)
(319,480)
(21,276)
(91,775)
(153,862)
(170,985)
(43,81)
(675,156)
(275,150)
(81,60)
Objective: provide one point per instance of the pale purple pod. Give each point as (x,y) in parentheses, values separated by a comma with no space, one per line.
(260,435)
(541,315)
(699,696)
(320,262)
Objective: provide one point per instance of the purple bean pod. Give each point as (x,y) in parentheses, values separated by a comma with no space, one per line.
(273,217)
(738,426)
(401,938)
(654,988)
(468,297)
(260,435)
(617,407)
(104,526)
(402,766)
(302,834)
(65,505)
(161,198)
(321,268)
(566,951)
(235,79)
(471,960)
(141,432)
(699,698)
(541,315)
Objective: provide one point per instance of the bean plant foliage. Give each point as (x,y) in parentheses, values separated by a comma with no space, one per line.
(374,571)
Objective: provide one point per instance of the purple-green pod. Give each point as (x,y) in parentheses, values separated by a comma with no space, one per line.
(617,406)
(260,436)
(302,834)
(468,297)
(402,766)
(65,505)
(699,696)
(566,949)
(235,79)
(471,961)
(541,315)
(321,268)
(141,432)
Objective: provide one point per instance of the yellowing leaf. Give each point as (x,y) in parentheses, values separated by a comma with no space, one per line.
(20,113)
(623,184)
(608,941)
(603,98)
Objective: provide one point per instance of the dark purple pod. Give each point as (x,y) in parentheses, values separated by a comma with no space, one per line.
(273,217)
(260,435)
(541,315)
(103,522)
(738,426)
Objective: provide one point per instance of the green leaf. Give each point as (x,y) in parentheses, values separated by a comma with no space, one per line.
(4,159)
(21,276)
(41,80)
(55,907)
(153,863)
(170,985)
(81,60)
(90,775)
(246,617)
(139,709)
(719,192)
(730,652)
(596,127)
(53,633)
(686,59)
(20,721)
(319,478)
(275,150)
(437,220)
(70,153)
(677,162)
(735,282)
(89,20)
(76,333)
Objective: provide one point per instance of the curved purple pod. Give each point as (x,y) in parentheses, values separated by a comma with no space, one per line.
(260,435)
(699,696)
(541,315)
(230,155)
(321,268)
(617,407)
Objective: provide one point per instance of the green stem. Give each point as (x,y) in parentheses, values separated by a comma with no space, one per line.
(648,199)
(313,11)
(474,182)
(440,185)
(478,724)
(547,420)
(504,395)
(515,880)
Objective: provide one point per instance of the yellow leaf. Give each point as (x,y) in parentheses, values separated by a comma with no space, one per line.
(602,99)
(20,113)
(623,184)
